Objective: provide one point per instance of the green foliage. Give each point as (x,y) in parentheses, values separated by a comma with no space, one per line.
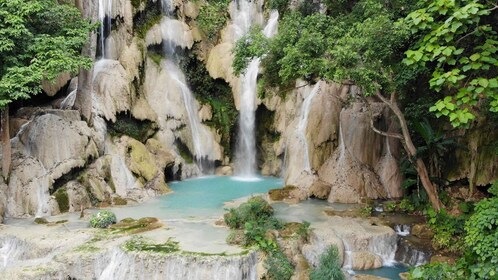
(127,125)
(458,37)
(278,266)
(255,218)
(214,92)
(304,230)
(448,230)
(139,243)
(38,40)
(144,20)
(62,199)
(482,238)
(366,211)
(436,271)
(102,219)
(280,5)
(250,46)
(213,17)
(329,266)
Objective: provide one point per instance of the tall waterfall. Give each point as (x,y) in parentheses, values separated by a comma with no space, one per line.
(173,38)
(303,124)
(246,142)
(105,16)
(42,195)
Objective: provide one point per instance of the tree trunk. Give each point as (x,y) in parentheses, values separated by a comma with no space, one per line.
(6,148)
(406,139)
(83,102)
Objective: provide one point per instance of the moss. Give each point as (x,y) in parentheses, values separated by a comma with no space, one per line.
(41,221)
(125,124)
(145,19)
(142,162)
(184,151)
(215,92)
(119,201)
(132,226)
(137,3)
(62,199)
(212,18)
(281,194)
(139,243)
(155,57)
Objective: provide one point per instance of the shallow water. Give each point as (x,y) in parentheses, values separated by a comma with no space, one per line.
(389,272)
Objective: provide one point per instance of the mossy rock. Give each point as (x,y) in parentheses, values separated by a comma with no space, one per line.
(142,162)
(41,221)
(290,229)
(119,201)
(62,199)
(281,194)
(132,226)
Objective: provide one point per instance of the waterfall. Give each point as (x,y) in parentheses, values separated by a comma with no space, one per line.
(11,250)
(130,265)
(402,230)
(173,37)
(42,195)
(105,16)
(342,145)
(246,142)
(348,259)
(303,124)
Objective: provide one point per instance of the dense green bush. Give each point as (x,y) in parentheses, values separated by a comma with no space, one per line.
(448,230)
(279,5)
(329,266)
(213,17)
(278,266)
(102,219)
(482,237)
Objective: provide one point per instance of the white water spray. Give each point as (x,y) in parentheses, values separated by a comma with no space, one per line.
(42,195)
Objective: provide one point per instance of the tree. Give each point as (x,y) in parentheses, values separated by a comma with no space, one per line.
(364,47)
(39,39)
(460,39)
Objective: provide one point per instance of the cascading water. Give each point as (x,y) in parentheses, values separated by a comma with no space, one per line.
(246,142)
(303,124)
(173,38)
(105,15)
(42,195)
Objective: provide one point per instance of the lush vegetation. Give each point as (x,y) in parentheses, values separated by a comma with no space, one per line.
(329,266)
(213,17)
(251,224)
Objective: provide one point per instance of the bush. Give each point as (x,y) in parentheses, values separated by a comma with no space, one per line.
(212,18)
(278,266)
(448,230)
(329,266)
(102,219)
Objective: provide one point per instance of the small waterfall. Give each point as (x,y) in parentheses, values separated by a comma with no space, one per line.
(173,38)
(246,142)
(342,144)
(402,230)
(348,258)
(124,265)
(105,16)
(42,195)
(411,253)
(11,250)
(303,124)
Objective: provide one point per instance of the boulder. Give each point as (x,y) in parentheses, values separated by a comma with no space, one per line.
(320,189)
(365,260)
(224,171)
(51,88)
(422,231)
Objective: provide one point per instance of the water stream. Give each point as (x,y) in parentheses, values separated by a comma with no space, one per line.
(303,125)
(246,142)
(173,38)
(105,18)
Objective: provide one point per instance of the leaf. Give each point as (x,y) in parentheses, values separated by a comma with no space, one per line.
(475,57)
(484,83)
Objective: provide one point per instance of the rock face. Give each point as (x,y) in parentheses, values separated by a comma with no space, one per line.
(361,244)
(328,149)
(52,144)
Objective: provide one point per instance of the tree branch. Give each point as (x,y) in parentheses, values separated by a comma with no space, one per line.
(384,133)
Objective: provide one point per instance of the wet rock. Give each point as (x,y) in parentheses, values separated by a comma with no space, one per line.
(132,226)
(281,194)
(320,190)
(446,259)
(224,171)
(368,277)
(365,260)
(422,231)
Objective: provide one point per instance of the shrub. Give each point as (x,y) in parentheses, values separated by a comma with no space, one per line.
(278,266)
(448,230)
(212,18)
(102,219)
(329,266)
